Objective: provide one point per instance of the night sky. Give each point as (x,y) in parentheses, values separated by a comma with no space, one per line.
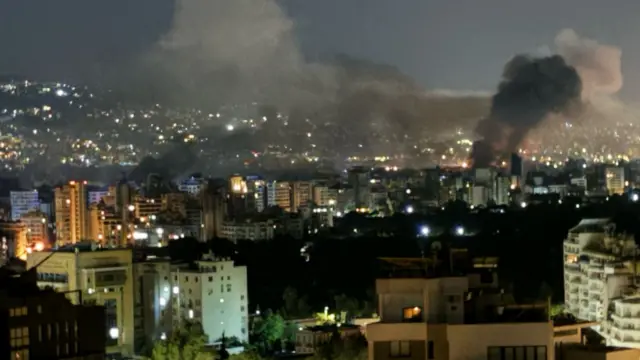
(444,44)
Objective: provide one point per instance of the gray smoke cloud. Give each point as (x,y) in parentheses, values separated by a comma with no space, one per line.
(236,51)
(599,66)
(534,88)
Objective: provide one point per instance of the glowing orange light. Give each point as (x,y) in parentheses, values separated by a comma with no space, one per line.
(29,250)
(39,246)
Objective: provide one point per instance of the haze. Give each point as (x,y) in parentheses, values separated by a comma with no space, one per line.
(461,46)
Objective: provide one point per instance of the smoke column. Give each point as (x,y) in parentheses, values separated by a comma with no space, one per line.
(534,88)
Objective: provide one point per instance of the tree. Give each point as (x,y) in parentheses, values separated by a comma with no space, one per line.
(348,305)
(294,306)
(185,343)
(268,332)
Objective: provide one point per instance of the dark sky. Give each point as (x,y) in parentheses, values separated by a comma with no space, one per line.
(452,44)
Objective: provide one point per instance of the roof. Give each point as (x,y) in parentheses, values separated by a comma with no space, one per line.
(591,225)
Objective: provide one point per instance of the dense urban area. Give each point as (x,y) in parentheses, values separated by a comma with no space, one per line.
(223,195)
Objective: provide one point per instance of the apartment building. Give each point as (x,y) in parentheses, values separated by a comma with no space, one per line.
(23,202)
(71,212)
(213,293)
(449,318)
(43,324)
(248,230)
(94,276)
(152,296)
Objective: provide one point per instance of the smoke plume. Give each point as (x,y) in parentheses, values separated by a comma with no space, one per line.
(534,88)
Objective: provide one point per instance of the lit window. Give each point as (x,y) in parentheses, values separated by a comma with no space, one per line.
(412,313)
(19,337)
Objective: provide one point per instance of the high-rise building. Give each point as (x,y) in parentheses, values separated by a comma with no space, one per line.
(42,324)
(94,276)
(215,295)
(598,267)
(322,196)
(15,240)
(22,202)
(615,180)
(516,166)
(213,211)
(358,179)
(71,213)
(152,301)
(37,226)
(282,194)
(301,195)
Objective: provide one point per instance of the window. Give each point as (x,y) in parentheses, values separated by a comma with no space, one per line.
(19,337)
(241,308)
(221,287)
(241,297)
(186,279)
(228,277)
(228,287)
(210,278)
(517,353)
(412,313)
(39,309)
(196,280)
(20,354)
(399,349)
(430,350)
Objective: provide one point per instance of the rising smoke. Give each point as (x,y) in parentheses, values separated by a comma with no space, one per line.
(534,88)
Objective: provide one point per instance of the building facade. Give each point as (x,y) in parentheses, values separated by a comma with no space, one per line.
(97,277)
(213,294)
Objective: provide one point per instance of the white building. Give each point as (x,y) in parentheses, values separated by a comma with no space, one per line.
(22,202)
(215,295)
(599,276)
(250,230)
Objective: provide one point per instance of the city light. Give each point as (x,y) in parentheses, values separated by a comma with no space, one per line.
(230,127)
(425,231)
(176,290)
(635,197)
(459,230)
(409,209)
(114,332)
(523,204)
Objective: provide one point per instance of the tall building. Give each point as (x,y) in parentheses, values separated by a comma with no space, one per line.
(600,272)
(358,179)
(214,294)
(301,195)
(15,239)
(71,213)
(213,211)
(152,301)
(94,276)
(516,166)
(282,194)
(22,202)
(37,226)
(42,324)
(454,317)
(615,180)
(433,185)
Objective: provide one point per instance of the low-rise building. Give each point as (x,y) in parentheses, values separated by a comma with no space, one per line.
(446,317)
(310,339)
(44,324)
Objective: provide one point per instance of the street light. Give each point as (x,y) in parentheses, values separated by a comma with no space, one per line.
(425,231)
(114,332)
(459,230)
